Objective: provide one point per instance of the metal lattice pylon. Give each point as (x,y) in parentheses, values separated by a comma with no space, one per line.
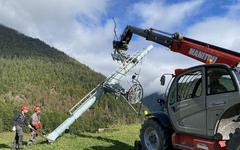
(86,102)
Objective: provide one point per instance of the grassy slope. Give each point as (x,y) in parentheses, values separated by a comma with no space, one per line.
(30,68)
(122,138)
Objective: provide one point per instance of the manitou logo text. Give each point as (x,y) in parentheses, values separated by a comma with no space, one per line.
(202,55)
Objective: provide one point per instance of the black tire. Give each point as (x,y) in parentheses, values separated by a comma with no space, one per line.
(137,145)
(234,141)
(154,137)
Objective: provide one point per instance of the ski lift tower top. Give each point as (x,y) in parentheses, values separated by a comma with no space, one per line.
(110,84)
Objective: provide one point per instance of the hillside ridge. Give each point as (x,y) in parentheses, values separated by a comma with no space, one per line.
(30,69)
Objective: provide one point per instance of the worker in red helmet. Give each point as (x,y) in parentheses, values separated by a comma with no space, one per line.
(19,120)
(35,124)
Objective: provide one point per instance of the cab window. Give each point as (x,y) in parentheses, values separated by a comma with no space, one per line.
(189,86)
(172,96)
(219,81)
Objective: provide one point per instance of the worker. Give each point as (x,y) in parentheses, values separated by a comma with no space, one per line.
(35,124)
(214,84)
(19,120)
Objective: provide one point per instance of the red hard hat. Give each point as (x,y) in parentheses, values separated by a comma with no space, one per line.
(24,107)
(37,108)
(37,105)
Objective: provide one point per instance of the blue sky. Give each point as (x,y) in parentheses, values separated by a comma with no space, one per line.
(209,8)
(84,29)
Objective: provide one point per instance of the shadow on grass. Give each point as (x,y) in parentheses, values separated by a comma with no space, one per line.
(44,142)
(4,146)
(117,145)
(10,146)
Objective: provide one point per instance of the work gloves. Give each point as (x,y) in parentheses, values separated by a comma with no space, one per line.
(30,126)
(14,128)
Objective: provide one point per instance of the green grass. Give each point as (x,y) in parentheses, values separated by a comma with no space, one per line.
(120,137)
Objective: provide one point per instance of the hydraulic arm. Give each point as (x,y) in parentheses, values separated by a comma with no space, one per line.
(200,51)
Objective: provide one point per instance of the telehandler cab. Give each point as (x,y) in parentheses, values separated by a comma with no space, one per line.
(203,102)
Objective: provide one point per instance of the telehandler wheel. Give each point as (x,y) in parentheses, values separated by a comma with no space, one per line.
(154,137)
(234,141)
(137,145)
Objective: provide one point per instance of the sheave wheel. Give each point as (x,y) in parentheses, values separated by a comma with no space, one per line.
(234,142)
(154,137)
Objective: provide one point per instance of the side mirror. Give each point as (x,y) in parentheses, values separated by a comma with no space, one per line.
(161,101)
(162,80)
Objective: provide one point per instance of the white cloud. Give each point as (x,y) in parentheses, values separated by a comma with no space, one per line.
(234,10)
(159,14)
(52,19)
(220,31)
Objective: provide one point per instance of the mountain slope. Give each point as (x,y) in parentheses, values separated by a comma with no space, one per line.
(151,103)
(33,72)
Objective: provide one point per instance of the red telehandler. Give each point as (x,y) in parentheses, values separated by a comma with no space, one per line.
(203,102)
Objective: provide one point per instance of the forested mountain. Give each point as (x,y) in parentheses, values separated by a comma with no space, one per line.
(151,101)
(33,72)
